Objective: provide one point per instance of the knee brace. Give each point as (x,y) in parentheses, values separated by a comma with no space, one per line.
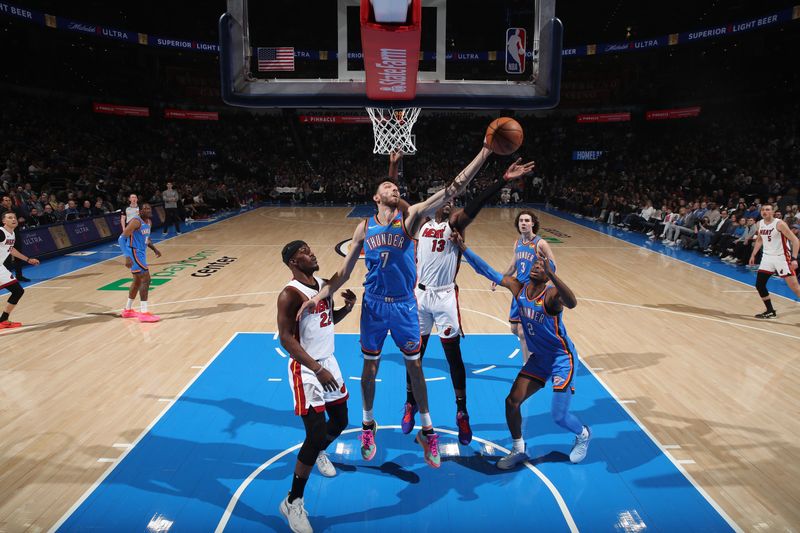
(337,420)
(16,293)
(315,437)
(761,284)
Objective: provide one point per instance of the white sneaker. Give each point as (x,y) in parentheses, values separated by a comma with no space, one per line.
(296,515)
(581,446)
(324,465)
(511,460)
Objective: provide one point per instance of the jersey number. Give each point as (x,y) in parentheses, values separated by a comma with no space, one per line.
(438,245)
(530,329)
(769,238)
(384,259)
(522,268)
(325,319)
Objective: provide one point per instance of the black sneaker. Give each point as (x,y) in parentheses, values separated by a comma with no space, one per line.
(767,314)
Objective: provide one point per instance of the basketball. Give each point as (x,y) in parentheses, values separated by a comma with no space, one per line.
(504,136)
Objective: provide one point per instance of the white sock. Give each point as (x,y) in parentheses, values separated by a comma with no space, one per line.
(519,445)
(367,416)
(425,420)
(584,433)
(129,305)
(143,306)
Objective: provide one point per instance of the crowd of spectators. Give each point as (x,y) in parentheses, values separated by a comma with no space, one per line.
(696,183)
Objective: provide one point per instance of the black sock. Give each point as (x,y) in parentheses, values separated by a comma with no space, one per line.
(371,425)
(767,302)
(298,487)
(4,317)
(427,432)
(461,404)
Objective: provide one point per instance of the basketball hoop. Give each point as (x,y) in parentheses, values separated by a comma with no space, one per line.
(392,129)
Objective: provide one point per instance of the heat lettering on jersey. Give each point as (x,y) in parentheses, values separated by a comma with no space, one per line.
(433,233)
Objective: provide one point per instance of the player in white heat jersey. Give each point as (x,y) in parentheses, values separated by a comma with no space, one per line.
(437,293)
(779,247)
(314,376)
(7,280)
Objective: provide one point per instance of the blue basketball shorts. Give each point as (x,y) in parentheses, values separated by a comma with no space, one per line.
(560,369)
(379,316)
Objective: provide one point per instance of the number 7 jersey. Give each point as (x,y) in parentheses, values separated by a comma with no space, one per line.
(390,256)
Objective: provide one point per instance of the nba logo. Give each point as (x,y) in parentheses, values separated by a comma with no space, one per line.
(515,50)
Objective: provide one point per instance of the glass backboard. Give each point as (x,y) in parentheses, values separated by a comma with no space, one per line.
(284,53)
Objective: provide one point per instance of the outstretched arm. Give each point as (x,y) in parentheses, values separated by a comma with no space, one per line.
(343,274)
(482,267)
(461,219)
(418,212)
(394,164)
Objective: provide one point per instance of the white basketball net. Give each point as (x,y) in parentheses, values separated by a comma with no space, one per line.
(392,129)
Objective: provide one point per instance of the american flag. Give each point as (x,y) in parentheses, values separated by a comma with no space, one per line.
(280,58)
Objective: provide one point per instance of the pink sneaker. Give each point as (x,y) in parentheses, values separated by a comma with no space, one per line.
(368,446)
(430,447)
(128,313)
(148,317)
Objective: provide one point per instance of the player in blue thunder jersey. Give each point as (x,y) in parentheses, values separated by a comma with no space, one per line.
(389,301)
(554,355)
(528,249)
(134,241)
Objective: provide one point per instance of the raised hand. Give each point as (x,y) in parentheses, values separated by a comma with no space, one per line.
(519,169)
(349,298)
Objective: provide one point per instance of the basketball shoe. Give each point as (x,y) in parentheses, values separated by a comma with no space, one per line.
(464,431)
(324,465)
(511,460)
(148,317)
(296,515)
(767,314)
(128,313)
(408,417)
(581,446)
(430,447)
(7,324)
(368,446)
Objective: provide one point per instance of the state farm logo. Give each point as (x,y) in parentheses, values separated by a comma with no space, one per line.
(344,247)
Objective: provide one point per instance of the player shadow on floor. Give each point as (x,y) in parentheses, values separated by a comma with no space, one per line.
(621,362)
(156,463)
(203,312)
(717,313)
(82,275)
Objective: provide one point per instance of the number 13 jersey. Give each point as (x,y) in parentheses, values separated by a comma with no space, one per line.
(437,255)
(315,329)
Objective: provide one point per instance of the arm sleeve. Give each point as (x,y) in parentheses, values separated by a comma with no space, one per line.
(473,208)
(482,267)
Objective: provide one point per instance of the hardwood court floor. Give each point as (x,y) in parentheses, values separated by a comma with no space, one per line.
(675,343)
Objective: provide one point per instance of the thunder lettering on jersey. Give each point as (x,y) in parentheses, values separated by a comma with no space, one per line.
(773,242)
(138,239)
(315,328)
(7,245)
(437,256)
(545,334)
(525,256)
(390,258)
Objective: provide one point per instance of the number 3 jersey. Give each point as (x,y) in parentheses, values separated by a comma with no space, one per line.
(437,255)
(315,329)
(389,253)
